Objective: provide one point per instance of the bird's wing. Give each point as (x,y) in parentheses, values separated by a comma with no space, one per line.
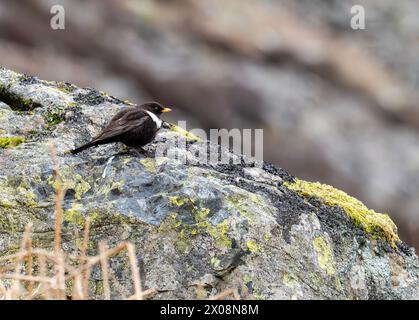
(122,122)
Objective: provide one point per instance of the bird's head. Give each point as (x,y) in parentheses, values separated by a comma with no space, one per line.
(155,107)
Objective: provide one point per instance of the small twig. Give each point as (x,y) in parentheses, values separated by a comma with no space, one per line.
(2,289)
(15,290)
(78,293)
(135,271)
(59,278)
(29,262)
(85,237)
(85,274)
(22,277)
(86,281)
(59,196)
(91,261)
(104,264)
(43,273)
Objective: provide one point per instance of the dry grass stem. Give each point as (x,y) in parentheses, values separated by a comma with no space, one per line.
(104,264)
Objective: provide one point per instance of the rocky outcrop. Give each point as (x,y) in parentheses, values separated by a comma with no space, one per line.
(221,226)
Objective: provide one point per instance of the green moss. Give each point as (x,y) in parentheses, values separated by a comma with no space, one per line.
(324,255)
(10,142)
(253,246)
(64,87)
(53,119)
(376,224)
(15,101)
(188,135)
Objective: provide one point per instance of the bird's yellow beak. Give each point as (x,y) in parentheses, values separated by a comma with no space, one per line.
(166,110)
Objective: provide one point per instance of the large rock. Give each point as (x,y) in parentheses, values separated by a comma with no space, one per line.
(259,230)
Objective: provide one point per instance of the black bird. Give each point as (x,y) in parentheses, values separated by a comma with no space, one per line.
(135,127)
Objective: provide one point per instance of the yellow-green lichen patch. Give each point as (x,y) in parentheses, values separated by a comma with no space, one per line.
(188,135)
(242,205)
(71,181)
(112,186)
(16,192)
(215,262)
(149,164)
(126,101)
(218,232)
(324,255)
(258,296)
(377,224)
(74,215)
(267,237)
(247,278)
(183,244)
(2,131)
(289,280)
(10,142)
(31,198)
(246,205)
(338,284)
(179,201)
(253,246)
(126,161)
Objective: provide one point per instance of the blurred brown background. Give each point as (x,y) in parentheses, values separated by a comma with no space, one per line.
(338,105)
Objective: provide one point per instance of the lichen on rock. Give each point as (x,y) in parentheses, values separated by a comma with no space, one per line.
(377,224)
(10,142)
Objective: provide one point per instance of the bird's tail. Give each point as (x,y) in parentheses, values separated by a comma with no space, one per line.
(83,147)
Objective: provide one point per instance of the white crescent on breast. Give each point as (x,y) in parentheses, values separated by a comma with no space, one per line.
(155,118)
